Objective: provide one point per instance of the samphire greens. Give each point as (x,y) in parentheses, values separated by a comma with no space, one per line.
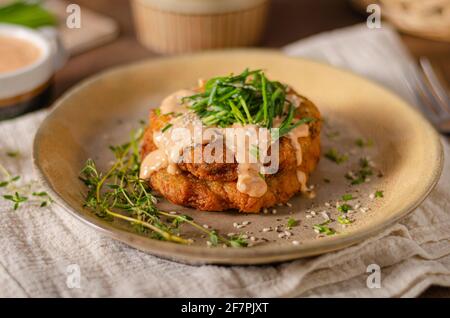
(246,98)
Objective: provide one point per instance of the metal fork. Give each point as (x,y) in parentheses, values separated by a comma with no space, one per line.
(432,97)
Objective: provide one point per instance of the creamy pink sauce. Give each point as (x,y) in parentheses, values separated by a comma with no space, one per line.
(169,150)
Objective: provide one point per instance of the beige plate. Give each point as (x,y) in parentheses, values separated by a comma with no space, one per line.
(102,110)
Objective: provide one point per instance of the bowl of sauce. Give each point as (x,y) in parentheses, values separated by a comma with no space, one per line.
(27,65)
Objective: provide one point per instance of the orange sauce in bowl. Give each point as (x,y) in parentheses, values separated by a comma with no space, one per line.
(16,53)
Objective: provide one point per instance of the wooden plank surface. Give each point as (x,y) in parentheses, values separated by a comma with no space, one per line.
(289,20)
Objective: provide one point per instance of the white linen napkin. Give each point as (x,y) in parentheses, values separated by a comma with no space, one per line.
(41,249)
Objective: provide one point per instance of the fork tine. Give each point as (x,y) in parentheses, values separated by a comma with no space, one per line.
(438,89)
(421,101)
(425,97)
(428,98)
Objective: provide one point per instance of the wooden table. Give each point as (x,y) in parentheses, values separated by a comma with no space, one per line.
(289,20)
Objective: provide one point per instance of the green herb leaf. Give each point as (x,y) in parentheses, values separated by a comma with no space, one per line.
(26,13)
(347,197)
(40,194)
(334,155)
(238,241)
(324,229)
(344,208)
(379,194)
(291,223)
(13,154)
(343,220)
(214,238)
(363,143)
(166,128)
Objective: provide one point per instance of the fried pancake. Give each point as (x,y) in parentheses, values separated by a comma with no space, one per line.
(212,186)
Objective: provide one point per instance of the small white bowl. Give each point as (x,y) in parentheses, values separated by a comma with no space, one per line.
(29,87)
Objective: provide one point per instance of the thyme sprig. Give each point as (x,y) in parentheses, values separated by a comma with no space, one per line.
(247,98)
(119,193)
(19,194)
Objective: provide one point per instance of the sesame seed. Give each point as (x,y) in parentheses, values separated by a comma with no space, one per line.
(246,223)
(289,204)
(308,216)
(252,238)
(317,231)
(265,211)
(372,196)
(279,204)
(295,242)
(235,224)
(357,206)
(274,211)
(231,234)
(172,212)
(208,243)
(327,204)
(313,213)
(267,229)
(287,233)
(325,215)
(206,226)
(245,236)
(281,235)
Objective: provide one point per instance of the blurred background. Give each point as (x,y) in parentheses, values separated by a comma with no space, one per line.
(111,34)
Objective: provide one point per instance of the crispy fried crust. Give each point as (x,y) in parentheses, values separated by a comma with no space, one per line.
(212,187)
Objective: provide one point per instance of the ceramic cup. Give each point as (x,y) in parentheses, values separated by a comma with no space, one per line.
(29,87)
(178,26)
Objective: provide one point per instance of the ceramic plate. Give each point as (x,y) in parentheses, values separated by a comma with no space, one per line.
(404,149)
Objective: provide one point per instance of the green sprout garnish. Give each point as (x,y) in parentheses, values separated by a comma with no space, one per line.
(246,98)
